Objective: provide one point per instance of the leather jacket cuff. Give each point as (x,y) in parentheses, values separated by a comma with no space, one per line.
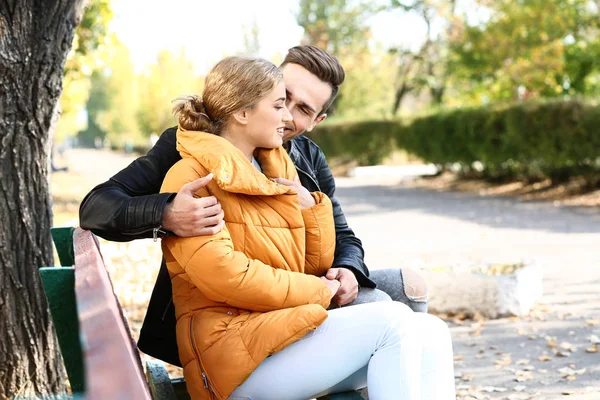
(159,210)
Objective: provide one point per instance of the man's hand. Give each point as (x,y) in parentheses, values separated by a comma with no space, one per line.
(187,216)
(348,285)
(304,197)
(332,284)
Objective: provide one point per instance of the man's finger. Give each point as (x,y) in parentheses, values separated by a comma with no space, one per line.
(211,230)
(193,186)
(211,221)
(332,273)
(285,182)
(211,207)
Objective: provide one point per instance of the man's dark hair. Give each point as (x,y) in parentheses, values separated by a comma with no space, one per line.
(320,63)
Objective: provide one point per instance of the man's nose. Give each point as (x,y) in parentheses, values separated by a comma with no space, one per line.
(287,116)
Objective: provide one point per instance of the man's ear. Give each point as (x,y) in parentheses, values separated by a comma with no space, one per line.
(316,122)
(241,116)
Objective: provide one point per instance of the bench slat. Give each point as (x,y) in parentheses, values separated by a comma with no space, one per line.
(113,371)
(59,284)
(63,241)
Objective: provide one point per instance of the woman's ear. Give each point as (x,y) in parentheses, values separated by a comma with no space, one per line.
(241,116)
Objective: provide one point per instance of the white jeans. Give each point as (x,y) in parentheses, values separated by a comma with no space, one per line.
(398,353)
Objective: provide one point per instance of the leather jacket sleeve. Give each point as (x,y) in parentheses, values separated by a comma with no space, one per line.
(128,206)
(349,252)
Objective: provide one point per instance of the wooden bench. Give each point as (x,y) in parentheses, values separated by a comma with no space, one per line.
(99,353)
(100,356)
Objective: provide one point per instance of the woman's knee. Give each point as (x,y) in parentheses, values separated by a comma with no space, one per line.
(433,327)
(414,285)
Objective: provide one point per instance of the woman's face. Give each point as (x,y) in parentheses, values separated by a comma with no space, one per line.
(267,120)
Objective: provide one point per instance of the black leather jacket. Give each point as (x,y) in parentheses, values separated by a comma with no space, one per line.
(129,206)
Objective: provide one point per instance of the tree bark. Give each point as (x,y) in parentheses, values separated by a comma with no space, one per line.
(35,37)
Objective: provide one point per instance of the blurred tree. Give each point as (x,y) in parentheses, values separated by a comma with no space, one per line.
(530,48)
(336,25)
(82,60)
(172,76)
(96,107)
(35,38)
(426,68)
(120,119)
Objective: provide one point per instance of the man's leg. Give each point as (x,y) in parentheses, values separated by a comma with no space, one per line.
(404,285)
(368,295)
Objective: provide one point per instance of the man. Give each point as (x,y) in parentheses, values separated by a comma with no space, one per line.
(129,205)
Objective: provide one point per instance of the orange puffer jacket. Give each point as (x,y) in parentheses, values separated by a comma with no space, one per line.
(252,289)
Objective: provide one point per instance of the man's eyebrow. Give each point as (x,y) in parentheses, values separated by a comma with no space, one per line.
(301,103)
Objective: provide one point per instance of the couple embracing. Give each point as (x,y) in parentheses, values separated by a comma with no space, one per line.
(263,293)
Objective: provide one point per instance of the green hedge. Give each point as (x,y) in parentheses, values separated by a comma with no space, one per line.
(554,139)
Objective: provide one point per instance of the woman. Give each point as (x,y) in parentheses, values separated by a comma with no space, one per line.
(251,301)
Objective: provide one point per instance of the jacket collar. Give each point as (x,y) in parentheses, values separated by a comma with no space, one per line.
(232,171)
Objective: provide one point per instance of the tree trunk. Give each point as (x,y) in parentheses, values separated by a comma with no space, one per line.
(35,37)
(399,96)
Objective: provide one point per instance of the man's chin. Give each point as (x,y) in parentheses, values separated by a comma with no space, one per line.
(289,134)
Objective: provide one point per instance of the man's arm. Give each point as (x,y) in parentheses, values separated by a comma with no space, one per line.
(128,206)
(349,252)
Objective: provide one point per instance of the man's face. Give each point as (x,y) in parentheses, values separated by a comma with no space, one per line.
(305,96)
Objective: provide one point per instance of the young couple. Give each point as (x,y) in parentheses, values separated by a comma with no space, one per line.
(257,250)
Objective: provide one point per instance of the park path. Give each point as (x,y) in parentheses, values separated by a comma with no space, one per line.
(407,227)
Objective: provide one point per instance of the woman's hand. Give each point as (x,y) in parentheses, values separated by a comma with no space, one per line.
(332,284)
(304,197)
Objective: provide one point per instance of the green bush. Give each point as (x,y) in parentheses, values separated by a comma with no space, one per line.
(532,140)
(367,142)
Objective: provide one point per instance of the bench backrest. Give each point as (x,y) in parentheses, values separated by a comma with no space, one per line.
(99,354)
(112,364)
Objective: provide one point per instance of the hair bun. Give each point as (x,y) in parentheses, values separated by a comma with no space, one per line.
(191,113)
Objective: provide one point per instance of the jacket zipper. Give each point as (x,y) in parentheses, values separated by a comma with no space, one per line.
(310,176)
(207,385)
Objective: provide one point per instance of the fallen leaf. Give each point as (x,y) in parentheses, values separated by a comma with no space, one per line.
(467,378)
(492,389)
(566,346)
(594,339)
(592,322)
(544,358)
(593,349)
(522,362)
(519,388)
(457,358)
(480,356)
(503,361)
(532,337)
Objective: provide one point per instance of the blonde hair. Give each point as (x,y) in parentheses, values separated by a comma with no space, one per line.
(233,84)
